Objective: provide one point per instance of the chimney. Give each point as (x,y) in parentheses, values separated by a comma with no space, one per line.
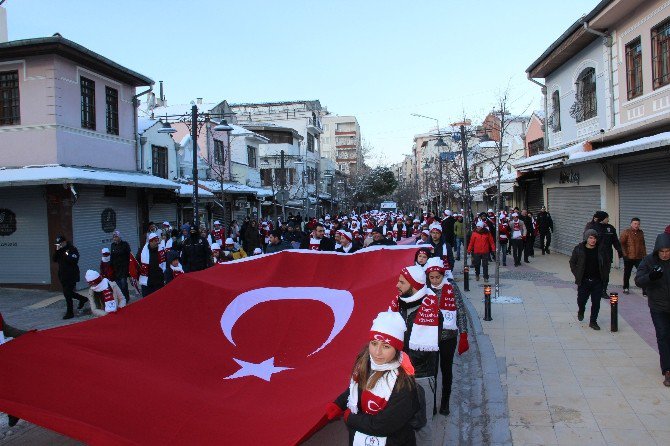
(199,101)
(161,96)
(3,24)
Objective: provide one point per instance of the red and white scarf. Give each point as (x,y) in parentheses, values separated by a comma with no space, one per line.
(176,270)
(373,400)
(144,262)
(425,331)
(219,235)
(314,243)
(447,305)
(517,229)
(104,292)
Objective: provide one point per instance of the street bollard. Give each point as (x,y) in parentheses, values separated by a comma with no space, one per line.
(614,304)
(487,303)
(466,278)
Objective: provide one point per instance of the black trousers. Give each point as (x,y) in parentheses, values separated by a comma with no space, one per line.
(527,247)
(70,294)
(543,236)
(447,349)
(661,321)
(594,290)
(628,265)
(517,250)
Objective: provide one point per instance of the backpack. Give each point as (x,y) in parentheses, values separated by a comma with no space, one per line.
(419,419)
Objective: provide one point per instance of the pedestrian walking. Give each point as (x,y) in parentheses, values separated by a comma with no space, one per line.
(634,250)
(653,275)
(252,236)
(528,238)
(422,255)
(104,295)
(589,266)
(196,252)
(317,240)
(276,243)
(174,268)
(518,230)
(459,235)
(152,266)
(481,246)
(106,269)
(607,239)
(382,398)
(441,248)
(545,226)
(503,238)
(120,260)
(67,258)
(454,322)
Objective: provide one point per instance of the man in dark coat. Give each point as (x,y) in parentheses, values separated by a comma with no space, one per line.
(607,239)
(317,240)
(120,260)
(527,243)
(276,243)
(67,257)
(379,239)
(545,226)
(653,275)
(448,228)
(591,269)
(195,253)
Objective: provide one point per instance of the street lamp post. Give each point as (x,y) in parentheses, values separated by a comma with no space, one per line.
(195,125)
(443,157)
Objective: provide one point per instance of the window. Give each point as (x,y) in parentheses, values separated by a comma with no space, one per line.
(555,118)
(87,103)
(251,156)
(311,175)
(634,68)
(585,106)
(266,177)
(660,54)
(218,151)
(159,165)
(112,110)
(535,147)
(310,142)
(9,98)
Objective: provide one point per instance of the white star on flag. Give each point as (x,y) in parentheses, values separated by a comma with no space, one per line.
(263,370)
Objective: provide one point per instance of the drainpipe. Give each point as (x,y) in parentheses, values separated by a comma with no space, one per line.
(545,136)
(139,157)
(609,42)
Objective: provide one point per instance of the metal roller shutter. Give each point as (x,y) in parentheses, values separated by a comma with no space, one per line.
(571,208)
(160,212)
(644,191)
(90,234)
(534,196)
(25,245)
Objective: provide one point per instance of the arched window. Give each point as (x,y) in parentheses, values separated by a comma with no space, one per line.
(555,117)
(586,94)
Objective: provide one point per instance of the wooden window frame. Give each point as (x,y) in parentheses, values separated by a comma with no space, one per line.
(587,88)
(159,161)
(112,110)
(251,157)
(660,54)
(10,104)
(634,81)
(87,88)
(219,151)
(310,142)
(556,111)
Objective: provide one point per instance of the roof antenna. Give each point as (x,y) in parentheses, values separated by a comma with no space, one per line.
(57,35)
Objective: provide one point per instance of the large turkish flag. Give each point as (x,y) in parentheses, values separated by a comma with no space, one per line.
(243,353)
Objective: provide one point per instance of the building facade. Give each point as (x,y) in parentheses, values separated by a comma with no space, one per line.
(341,142)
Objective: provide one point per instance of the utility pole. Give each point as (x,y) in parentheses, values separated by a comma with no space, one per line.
(466,196)
(441,182)
(194,138)
(283,186)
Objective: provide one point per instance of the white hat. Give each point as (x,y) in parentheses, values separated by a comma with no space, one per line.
(490,210)
(217,222)
(448,213)
(229,241)
(515,214)
(345,234)
(153,235)
(426,231)
(95,280)
(166,223)
(258,251)
(416,220)
(434,264)
(105,251)
(435,226)
(415,275)
(389,327)
(91,275)
(480,224)
(216,246)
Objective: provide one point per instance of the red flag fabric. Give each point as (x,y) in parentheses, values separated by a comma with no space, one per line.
(133,267)
(244,353)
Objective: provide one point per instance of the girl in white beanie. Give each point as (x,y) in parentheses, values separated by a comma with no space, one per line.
(382,397)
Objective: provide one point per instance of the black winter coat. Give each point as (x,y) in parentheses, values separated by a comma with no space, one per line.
(195,254)
(120,258)
(607,239)
(578,263)
(282,245)
(392,422)
(68,263)
(658,291)
(326,243)
(448,230)
(544,222)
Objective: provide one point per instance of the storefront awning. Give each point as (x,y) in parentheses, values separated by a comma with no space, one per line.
(57,174)
(638,145)
(233,188)
(546,160)
(186,190)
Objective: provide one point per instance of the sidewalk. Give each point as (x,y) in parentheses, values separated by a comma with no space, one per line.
(566,383)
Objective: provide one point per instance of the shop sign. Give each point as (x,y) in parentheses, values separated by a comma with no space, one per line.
(7,222)
(108,220)
(568,176)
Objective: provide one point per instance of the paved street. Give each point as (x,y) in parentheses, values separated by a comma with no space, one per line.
(566,383)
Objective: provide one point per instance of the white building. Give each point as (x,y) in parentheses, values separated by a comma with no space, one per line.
(341,142)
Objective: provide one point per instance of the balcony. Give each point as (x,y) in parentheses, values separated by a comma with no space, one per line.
(271,150)
(314,124)
(352,133)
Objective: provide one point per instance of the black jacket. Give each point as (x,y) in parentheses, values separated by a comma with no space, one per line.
(448,229)
(355,246)
(120,258)
(383,242)
(607,239)
(282,245)
(424,362)
(578,263)
(544,222)
(392,422)
(68,263)
(195,254)
(658,291)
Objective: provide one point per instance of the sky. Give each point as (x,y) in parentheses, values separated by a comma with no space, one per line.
(378,60)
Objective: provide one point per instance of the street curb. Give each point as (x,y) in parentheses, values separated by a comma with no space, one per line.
(495,399)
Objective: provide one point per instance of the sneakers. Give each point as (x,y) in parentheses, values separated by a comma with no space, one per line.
(594,325)
(547,250)
(445,410)
(580,315)
(626,291)
(81,304)
(68,316)
(666,381)
(12,420)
